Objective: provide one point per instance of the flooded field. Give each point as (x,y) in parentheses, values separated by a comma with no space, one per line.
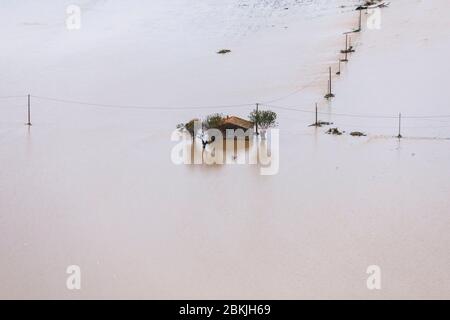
(92,183)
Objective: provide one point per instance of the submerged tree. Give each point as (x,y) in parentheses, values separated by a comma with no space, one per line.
(189,127)
(265,119)
(213,121)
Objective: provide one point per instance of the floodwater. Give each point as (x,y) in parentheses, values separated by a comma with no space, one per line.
(95,186)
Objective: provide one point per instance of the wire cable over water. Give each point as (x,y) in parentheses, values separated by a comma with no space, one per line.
(301,109)
(442,119)
(366,116)
(12,97)
(140,107)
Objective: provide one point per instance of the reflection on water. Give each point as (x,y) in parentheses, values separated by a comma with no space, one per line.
(244,150)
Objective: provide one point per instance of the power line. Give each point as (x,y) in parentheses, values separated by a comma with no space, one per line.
(427,117)
(368,116)
(139,107)
(290,94)
(12,97)
(298,109)
(334,114)
(287,108)
(176,108)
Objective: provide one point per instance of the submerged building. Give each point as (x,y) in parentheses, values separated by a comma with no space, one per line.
(240,127)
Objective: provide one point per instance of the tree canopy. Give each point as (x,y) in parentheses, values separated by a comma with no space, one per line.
(264,118)
(213,121)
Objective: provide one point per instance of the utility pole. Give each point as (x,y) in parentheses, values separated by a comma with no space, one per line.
(346,56)
(360,21)
(346,49)
(329,94)
(29,111)
(400,126)
(330,81)
(257,118)
(346,42)
(317,119)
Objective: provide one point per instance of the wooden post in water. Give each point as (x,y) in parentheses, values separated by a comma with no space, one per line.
(400,126)
(29,111)
(339,72)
